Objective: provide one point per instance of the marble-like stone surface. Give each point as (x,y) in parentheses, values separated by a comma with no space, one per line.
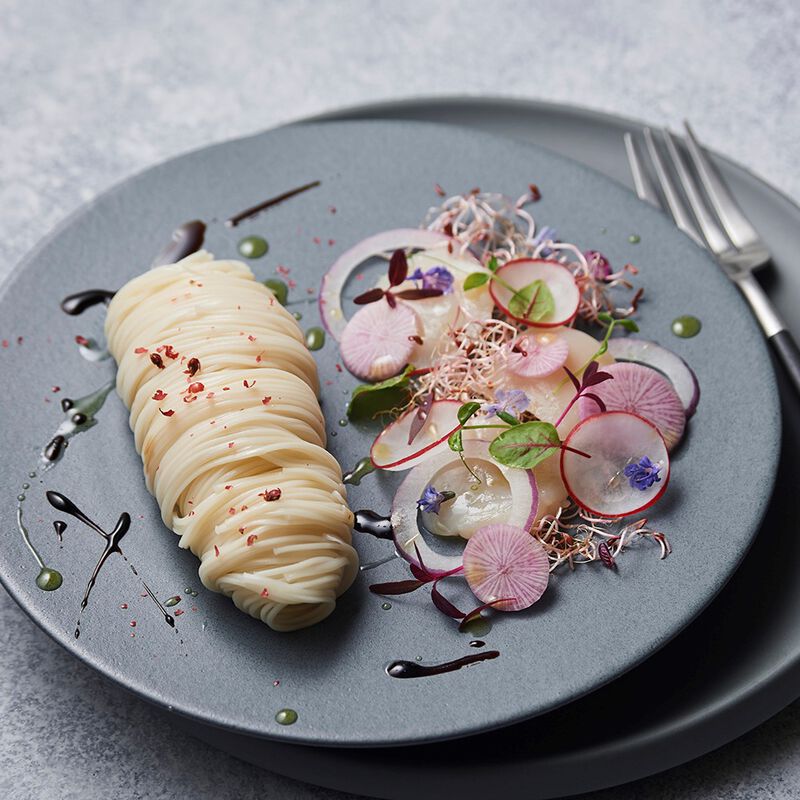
(93,92)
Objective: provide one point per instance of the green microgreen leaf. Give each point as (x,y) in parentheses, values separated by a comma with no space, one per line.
(468,410)
(629,325)
(525,445)
(506,417)
(475,279)
(455,441)
(492,264)
(604,316)
(370,400)
(533,302)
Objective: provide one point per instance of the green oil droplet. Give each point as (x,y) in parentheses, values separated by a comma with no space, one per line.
(386,606)
(48,579)
(342,423)
(188,590)
(253,247)
(172,601)
(315,338)
(480,626)
(362,468)
(286,716)
(26,486)
(297,315)
(278,288)
(418,658)
(634,238)
(31,474)
(21,498)
(686,326)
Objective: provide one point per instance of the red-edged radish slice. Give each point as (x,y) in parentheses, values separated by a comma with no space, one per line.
(503,562)
(665,361)
(330,290)
(377,341)
(537,355)
(643,391)
(522,272)
(613,440)
(391,449)
(504,494)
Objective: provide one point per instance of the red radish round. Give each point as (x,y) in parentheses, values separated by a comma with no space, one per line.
(522,272)
(641,351)
(643,391)
(391,449)
(513,499)
(537,355)
(334,280)
(504,562)
(377,341)
(614,440)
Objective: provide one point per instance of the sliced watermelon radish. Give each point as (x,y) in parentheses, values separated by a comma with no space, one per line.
(504,495)
(614,440)
(537,355)
(504,562)
(330,290)
(378,340)
(516,275)
(643,391)
(640,351)
(391,450)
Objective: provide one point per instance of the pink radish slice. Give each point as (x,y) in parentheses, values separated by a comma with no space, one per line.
(391,449)
(330,290)
(665,361)
(643,391)
(506,562)
(537,355)
(515,502)
(613,440)
(376,342)
(522,272)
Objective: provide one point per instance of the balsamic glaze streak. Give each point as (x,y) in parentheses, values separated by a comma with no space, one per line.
(412,669)
(112,540)
(273,201)
(76,304)
(374,524)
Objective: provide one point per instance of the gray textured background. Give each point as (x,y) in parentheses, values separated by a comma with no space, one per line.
(93,92)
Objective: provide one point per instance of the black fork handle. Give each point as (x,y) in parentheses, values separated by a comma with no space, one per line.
(788,353)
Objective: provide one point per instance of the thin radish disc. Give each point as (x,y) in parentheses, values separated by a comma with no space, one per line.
(377,341)
(642,391)
(537,355)
(523,272)
(615,441)
(391,449)
(503,562)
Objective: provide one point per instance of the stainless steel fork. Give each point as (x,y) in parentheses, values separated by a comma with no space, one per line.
(705,210)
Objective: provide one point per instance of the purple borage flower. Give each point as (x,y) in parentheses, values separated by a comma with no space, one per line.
(546,234)
(514,401)
(599,265)
(642,474)
(431,500)
(435,278)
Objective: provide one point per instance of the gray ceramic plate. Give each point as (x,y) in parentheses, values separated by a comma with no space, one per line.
(220,666)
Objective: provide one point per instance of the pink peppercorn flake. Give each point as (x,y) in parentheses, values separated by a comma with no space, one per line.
(55,389)
(5,342)
(230,444)
(168,413)
(265,592)
(140,350)
(216,551)
(229,486)
(133,623)
(194,388)
(178,612)
(251,338)
(157,360)
(438,189)
(169,352)
(159,394)
(270,495)
(331,242)
(226,388)
(251,539)
(123,605)
(192,367)
(317,240)
(248,384)
(189,398)
(231,510)
(338,367)
(265,400)
(81,340)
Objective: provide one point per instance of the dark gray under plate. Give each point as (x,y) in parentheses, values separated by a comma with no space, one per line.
(592,626)
(734,667)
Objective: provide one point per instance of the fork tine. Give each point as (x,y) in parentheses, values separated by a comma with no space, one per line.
(674,203)
(641,182)
(715,238)
(733,220)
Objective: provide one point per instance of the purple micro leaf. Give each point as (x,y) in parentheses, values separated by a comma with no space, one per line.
(476,612)
(395,587)
(443,604)
(420,573)
(398,268)
(590,370)
(600,404)
(391,300)
(369,296)
(575,382)
(420,418)
(418,294)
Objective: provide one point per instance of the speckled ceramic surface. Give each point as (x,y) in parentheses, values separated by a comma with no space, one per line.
(220,665)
